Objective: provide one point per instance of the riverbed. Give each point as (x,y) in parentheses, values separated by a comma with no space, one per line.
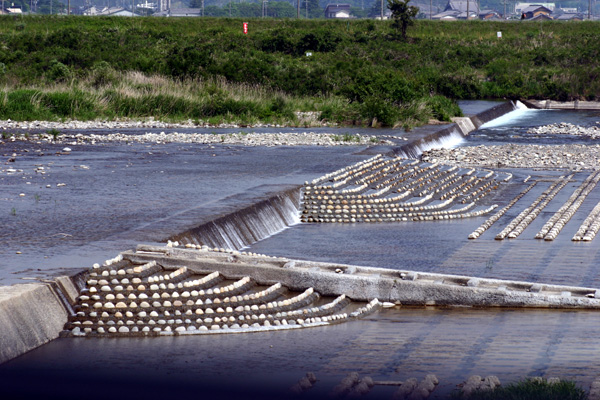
(116,195)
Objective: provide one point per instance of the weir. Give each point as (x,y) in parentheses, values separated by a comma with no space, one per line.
(452,135)
(248,224)
(258,219)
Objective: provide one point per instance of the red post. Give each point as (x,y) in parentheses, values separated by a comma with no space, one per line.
(245,28)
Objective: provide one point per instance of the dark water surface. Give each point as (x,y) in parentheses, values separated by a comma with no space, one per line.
(129,196)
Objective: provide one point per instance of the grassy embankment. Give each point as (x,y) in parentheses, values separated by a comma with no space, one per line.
(207,69)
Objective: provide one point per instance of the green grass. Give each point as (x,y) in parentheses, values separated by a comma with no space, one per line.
(57,67)
(530,390)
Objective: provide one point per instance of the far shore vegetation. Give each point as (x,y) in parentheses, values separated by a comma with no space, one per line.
(355,72)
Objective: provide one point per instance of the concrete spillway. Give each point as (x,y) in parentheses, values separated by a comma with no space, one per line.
(248,224)
(451,135)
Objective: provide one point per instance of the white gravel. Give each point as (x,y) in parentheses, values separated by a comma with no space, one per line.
(565,128)
(571,156)
(245,139)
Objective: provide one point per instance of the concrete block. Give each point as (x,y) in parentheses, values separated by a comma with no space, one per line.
(30,316)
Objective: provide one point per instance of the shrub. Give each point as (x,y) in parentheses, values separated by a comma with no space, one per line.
(380,110)
(102,74)
(443,108)
(58,72)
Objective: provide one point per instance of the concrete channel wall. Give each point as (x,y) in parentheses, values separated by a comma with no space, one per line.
(32,314)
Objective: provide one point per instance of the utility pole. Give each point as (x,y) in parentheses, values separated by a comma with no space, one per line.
(69,7)
(298,9)
(306,2)
(590,9)
(382,10)
(202,5)
(468,16)
(430,9)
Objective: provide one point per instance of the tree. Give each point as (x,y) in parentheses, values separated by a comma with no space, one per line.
(402,14)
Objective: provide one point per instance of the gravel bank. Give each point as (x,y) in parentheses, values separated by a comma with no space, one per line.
(573,156)
(245,139)
(565,128)
(124,124)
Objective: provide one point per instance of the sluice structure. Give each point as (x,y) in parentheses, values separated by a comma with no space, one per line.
(392,189)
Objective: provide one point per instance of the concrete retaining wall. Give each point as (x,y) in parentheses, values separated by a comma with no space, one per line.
(30,315)
(562,105)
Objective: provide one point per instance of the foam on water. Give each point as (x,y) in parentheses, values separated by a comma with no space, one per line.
(513,118)
(454,139)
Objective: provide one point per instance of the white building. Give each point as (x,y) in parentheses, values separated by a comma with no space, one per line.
(519,7)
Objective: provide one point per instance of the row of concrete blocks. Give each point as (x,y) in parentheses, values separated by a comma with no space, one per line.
(314,209)
(492,220)
(327,205)
(198,301)
(338,174)
(205,248)
(399,217)
(419,178)
(378,173)
(556,223)
(186,326)
(120,298)
(589,227)
(413,169)
(359,175)
(552,228)
(422,181)
(472,184)
(240,312)
(519,223)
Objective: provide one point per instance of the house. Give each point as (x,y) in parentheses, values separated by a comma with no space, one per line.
(570,17)
(536,12)
(91,11)
(14,10)
(457,9)
(519,7)
(120,12)
(337,11)
(489,15)
(463,6)
(109,11)
(446,16)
